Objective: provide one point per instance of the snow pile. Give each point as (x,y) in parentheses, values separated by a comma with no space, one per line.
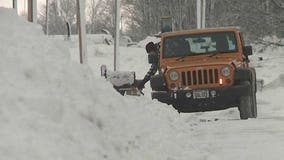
(269,64)
(268,43)
(147,40)
(278,82)
(52,108)
(99,38)
(44,97)
(91,38)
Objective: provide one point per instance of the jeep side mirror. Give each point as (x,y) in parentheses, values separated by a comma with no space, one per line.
(247,50)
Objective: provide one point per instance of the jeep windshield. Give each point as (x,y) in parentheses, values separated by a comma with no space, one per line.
(198,44)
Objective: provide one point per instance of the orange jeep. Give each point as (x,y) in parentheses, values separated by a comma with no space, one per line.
(205,70)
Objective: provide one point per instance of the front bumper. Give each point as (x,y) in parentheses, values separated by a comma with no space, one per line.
(223,98)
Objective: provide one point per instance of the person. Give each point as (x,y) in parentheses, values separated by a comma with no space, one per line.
(151,48)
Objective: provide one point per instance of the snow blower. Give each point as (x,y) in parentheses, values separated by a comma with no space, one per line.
(123,82)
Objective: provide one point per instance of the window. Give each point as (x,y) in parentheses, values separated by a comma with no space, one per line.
(195,44)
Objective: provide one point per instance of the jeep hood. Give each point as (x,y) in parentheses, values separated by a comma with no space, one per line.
(202,62)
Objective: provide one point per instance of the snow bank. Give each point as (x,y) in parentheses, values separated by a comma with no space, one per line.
(271,65)
(278,82)
(147,40)
(268,44)
(52,108)
(44,97)
(91,38)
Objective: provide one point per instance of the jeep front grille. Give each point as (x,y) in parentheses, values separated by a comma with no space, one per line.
(200,77)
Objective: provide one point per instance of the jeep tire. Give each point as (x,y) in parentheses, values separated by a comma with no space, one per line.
(247,106)
(253,87)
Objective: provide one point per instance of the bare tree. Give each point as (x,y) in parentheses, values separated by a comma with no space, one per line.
(145,15)
(60,12)
(257,18)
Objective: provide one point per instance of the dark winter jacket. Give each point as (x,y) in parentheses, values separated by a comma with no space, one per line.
(147,77)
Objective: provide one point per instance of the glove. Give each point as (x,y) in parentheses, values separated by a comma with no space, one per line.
(140,84)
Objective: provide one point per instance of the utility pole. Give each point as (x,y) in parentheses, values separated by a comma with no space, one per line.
(15,5)
(47,16)
(203,13)
(200,13)
(121,24)
(32,11)
(116,41)
(25,8)
(81,23)
(180,15)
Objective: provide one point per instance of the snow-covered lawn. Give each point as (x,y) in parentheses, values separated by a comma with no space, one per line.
(53,108)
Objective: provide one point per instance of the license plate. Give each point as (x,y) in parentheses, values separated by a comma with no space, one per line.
(200,94)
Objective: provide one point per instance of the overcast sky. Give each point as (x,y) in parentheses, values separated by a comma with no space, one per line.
(22,4)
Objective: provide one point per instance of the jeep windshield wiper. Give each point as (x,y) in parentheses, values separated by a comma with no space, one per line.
(214,54)
(180,58)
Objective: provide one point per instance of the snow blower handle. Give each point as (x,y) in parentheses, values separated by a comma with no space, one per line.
(123,82)
(137,84)
(140,91)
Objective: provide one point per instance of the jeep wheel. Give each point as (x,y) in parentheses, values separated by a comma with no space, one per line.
(254,107)
(247,106)
(254,104)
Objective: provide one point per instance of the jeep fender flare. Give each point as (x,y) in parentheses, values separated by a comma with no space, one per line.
(244,74)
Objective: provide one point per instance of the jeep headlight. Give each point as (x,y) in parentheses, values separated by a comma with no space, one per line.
(226,71)
(174,75)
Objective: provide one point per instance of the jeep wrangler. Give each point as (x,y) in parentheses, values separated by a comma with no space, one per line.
(205,70)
